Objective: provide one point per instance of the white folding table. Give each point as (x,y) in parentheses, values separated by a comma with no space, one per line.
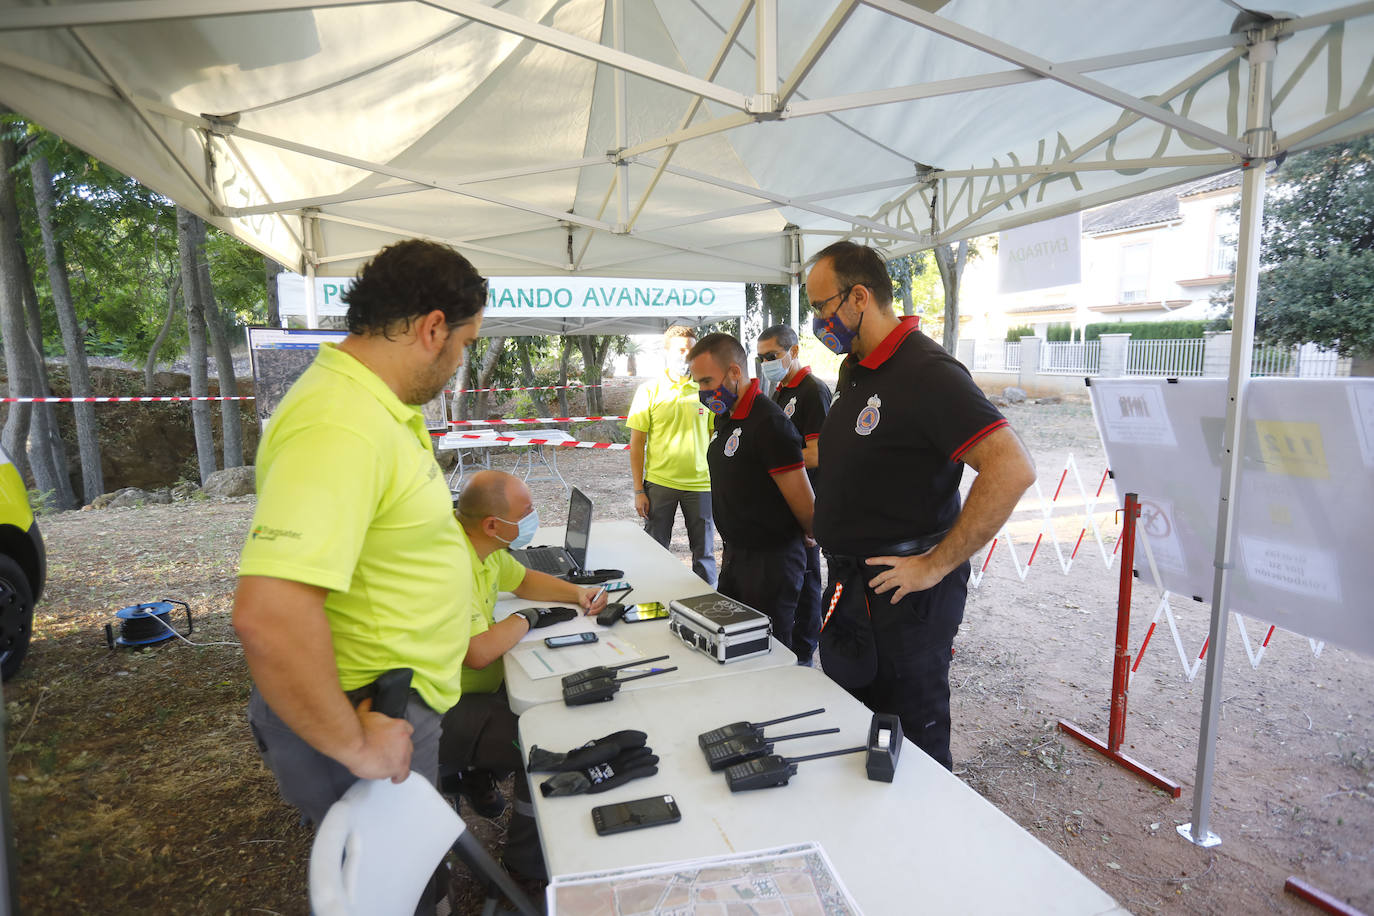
(656,575)
(925,843)
(481,441)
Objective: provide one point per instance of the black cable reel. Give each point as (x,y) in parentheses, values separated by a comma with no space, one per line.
(147,624)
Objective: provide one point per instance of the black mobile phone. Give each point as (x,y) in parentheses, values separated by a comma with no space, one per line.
(632,815)
(652,610)
(571,639)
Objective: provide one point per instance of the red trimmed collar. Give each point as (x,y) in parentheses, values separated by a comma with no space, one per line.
(746,401)
(802,373)
(891,342)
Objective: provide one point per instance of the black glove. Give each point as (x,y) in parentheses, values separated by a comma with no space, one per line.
(546,616)
(632,764)
(589,754)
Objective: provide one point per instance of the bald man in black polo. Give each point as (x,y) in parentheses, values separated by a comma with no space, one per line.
(760,494)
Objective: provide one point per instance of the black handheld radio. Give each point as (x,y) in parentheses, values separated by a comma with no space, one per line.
(742,729)
(731,751)
(772,770)
(601,671)
(602,689)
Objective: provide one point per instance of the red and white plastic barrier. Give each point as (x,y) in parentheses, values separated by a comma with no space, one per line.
(530,420)
(129,400)
(1191,663)
(563,443)
(571,385)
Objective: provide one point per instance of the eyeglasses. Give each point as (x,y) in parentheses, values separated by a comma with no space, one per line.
(769,357)
(818,304)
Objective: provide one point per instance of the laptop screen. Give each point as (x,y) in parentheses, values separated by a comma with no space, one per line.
(579,527)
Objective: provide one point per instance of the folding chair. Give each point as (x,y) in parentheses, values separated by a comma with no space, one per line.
(379,844)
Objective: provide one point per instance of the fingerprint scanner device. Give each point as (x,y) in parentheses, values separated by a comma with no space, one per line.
(884,745)
(740,729)
(720,627)
(602,671)
(737,750)
(772,770)
(603,689)
(571,558)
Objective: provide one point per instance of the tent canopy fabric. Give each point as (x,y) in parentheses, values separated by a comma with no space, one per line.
(720,139)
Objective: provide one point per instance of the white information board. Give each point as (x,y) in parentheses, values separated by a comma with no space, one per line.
(1304,546)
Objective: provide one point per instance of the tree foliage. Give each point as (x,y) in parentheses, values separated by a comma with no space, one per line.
(1317,258)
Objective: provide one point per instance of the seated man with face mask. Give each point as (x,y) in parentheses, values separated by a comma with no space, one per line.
(495,513)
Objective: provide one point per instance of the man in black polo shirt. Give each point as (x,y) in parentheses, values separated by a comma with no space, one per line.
(804,400)
(907,420)
(760,493)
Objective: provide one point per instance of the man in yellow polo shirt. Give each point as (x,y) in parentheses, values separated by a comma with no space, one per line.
(669,432)
(355,564)
(496,512)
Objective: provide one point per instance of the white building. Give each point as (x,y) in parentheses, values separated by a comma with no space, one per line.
(1160,256)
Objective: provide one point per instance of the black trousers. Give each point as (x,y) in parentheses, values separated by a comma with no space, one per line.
(914,639)
(807,626)
(696,512)
(480,733)
(768,579)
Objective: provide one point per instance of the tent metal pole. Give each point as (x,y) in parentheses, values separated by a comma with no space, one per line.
(794,263)
(765,55)
(622,183)
(1259,135)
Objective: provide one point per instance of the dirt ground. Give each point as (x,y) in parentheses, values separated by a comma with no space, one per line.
(135,787)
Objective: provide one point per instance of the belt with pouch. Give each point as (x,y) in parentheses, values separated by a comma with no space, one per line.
(849,653)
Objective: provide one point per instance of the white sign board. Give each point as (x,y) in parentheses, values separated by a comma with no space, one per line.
(1303,541)
(562,297)
(1042,254)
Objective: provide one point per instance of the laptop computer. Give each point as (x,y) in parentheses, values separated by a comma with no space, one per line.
(571,558)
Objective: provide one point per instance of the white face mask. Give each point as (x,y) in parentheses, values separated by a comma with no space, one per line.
(527,525)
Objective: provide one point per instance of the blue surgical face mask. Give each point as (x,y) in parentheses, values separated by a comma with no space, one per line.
(527,525)
(720,400)
(834,334)
(775,370)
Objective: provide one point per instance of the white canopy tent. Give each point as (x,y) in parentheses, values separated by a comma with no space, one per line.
(717,139)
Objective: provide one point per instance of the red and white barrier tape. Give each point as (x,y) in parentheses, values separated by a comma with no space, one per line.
(574,385)
(564,443)
(130,400)
(530,420)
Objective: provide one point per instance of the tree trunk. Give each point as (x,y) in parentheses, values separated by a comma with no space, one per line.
(230,419)
(594,349)
(187,237)
(150,367)
(522,347)
(73,335)
(273,305)
(47,452)
(490,360)
(564,357)
(951,263)
(460,394)
(12,280)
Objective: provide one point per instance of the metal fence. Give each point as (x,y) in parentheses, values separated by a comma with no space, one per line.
(1011,355)
(996,356)
(1071,357)
(1165,357)
(1306,361)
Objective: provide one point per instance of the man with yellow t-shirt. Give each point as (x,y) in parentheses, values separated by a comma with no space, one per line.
(355,564)
(669,433)
(496,512)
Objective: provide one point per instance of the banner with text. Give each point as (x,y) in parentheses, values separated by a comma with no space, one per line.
(1039,255)
(563,297)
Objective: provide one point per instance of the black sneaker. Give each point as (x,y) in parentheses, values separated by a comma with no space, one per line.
(479,788)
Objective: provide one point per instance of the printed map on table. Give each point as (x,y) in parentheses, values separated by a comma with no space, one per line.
(787,881)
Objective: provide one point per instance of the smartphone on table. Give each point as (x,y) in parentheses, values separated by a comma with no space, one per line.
(632,815)
(571,639)
(650,610)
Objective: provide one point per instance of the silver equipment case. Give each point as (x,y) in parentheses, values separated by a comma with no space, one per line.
(720,627)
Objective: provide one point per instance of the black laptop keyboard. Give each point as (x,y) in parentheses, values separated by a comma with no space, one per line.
(546,561)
